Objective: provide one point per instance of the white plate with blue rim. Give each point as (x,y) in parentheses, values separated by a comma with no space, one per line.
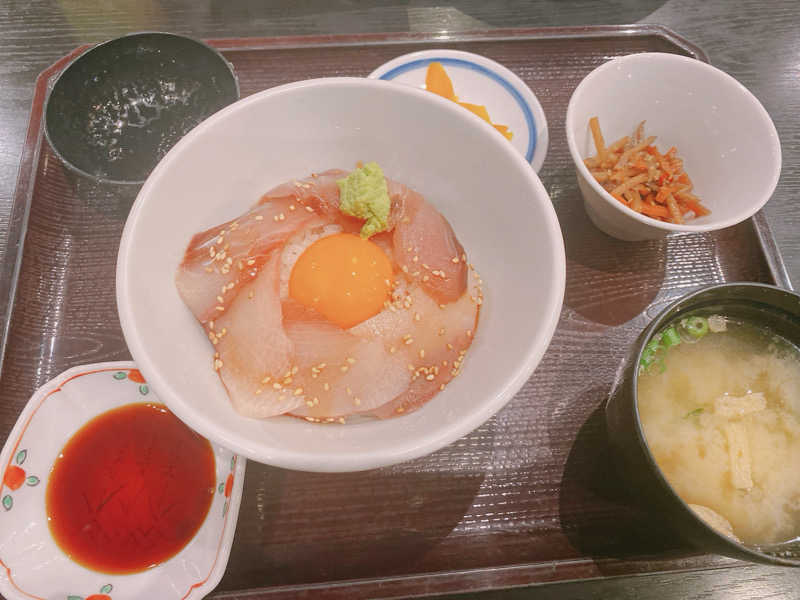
(33,564)
(480,80)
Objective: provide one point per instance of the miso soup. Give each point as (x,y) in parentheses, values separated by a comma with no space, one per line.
(719,401)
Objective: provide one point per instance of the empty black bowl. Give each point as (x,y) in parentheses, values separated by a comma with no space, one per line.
(117,109)
(772,307)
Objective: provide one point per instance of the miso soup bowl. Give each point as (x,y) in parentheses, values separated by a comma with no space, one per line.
(772,307)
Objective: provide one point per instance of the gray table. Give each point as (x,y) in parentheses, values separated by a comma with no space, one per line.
(758,42)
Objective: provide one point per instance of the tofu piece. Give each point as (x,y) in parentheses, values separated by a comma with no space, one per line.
(738,406)
(739,454)
(715,520)
(716,324)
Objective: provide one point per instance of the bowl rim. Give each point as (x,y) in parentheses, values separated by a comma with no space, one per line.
(761,114)
(99,46)
(344,462)
(657,323)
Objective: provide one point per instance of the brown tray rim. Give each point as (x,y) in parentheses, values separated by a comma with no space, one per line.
(507,576)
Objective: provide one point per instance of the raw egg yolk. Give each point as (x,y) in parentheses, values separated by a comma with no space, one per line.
(345,278)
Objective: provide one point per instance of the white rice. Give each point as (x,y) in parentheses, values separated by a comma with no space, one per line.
(296,245)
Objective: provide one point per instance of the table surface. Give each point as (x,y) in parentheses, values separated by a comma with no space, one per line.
(755,41)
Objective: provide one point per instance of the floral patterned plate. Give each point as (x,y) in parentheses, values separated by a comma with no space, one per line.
(32,566)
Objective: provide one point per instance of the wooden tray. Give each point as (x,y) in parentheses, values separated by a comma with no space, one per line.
(530,496)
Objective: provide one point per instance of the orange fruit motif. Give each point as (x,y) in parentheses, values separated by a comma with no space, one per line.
(14,477)
(228,485)
(98,597)
(135,375)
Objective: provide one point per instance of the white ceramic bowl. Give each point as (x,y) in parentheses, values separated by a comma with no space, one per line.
(725,136)
(35,567)
(491,196)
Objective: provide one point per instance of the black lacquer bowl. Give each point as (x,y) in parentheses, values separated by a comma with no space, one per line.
(117,109)
(773,307)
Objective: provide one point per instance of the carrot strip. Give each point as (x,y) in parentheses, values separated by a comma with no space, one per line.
(636,174)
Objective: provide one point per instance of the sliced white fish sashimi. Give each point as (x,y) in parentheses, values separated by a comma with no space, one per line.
(219,261)
(253,351)
(276,356)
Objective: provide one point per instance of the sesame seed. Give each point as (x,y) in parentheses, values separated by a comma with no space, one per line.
(417,316)
(220,308)
(209,269)
(229,261)
(259,217)
(258,391)
(399,409)
(469,333)
(220,239)
(298,391)
(251,294)
(291,207)
(309,403)
(408,341)
(425,278)
(281,217)
(357,401)
(326,386)
(315,400)
(322,365)
(212,251)
(281,398)
(441,387)
(479,301)
(251,262)
(410,367)
(430,377)
(344,368)
(341,420)
(277,386)
(275,218)
(422,353)
(351,360)
(415,259)
(441,331)
(295,369)
(217,364)
(349,391)
(405,269)
(266,379)
(220,299)
(392,350)
(287,380)
(442,306)
(309,209)
(311,419)
(211,324)
(449,346)
(424,266)
(454,260)
(234,225)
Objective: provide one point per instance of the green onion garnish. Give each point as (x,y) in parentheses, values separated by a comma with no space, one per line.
(697,327)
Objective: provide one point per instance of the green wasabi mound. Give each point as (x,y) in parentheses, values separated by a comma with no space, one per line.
(363,194)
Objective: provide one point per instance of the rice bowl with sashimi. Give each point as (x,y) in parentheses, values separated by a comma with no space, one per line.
(476,191)
(311,317)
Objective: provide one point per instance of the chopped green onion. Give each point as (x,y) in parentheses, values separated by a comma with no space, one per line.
(671,337)
(694,413)
(697,327)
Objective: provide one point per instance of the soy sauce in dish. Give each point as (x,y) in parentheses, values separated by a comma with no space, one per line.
(130,489)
